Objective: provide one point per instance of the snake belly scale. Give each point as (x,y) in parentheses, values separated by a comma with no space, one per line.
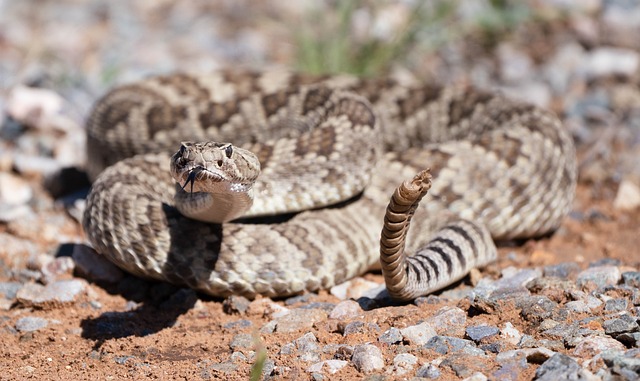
(342,170)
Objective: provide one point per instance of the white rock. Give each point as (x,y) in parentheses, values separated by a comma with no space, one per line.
(612,61)
(353,289)
(345,310)
(418,334)
(331,366)
(367,358)
(33,106)
(628,196)
(403,363)
(14,190)
(593,345)
(510,334)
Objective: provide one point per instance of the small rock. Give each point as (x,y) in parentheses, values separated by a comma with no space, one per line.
(299,319)
(478,333)
(353,327)
(631,278)
(403,363)
(601,276)
(565,270)
(464,365)
(391,336)
(266,307)
(617,304)
(331,366)
(235,304)
(93,266)
(418,334)
(537,308)
(345,310)
(628,196)
(590,346)
(445,345)
(241,341)
(607,61)
(30,324)
(367,358)
(307,342)
(353,289)
(53,294)
(428,371)
(10,289)
(33,106)
(36,165)
(287,349)
(623,324)
(577,306)
(510,334)
(56,267)
(13,190)
(561,367)
(448,321)
(629,339)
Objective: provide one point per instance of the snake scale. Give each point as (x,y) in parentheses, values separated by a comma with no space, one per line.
(343,164)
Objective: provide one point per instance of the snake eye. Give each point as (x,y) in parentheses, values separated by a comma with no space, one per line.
(228,151)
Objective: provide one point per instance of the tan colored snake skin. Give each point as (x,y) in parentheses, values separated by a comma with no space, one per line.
(500,168)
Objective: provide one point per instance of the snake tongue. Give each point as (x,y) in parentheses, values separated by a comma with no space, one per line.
(191,178)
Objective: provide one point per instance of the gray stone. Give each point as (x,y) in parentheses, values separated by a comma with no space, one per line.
(577,306)
(601,276)
(9,289)
(93,266)
(307,342)
(59,292)
(418,334)
(536,308)
(617,304)
(560,367)
(353,327)
(480,332)
(403,363)
(288,349)
(631,278)
(236,304)
(238,324)
(448,321)
(464,365)
(532,355)
(625,323)
(593,345)
(299,319)
(330,366)
(391,336)
(619,361)
(345,310)
(241,341)
(30,324)
(428,371)
(565,270)
(367,358)
(447,344)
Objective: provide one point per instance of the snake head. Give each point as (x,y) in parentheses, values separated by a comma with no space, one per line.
(214,167)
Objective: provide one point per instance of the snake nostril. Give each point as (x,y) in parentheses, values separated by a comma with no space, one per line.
(219,162)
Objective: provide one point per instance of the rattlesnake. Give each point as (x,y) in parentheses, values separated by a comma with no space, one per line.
(499,167)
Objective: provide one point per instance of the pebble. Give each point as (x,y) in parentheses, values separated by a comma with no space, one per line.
(563,270)
(510,334)
(448,321)
(367,358)
(51,295)
(625,323)
(562,367)
(607,61)
(391,336)
(94,266)
(10,289)
(330,366)
(590,346)
(532,355)
(418,334)
(446,344)
(617,304)
(353,289)
(404,363)
(464,365)
(428,371)
(345,310)
(480,332)
(14,190)
(631,278)
(235,304)
(628,196)
(30,324)
(601,276)
(537,308)
(242,341)
(299,319)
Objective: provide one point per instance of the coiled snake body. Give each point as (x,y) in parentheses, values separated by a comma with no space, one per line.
(333,150)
